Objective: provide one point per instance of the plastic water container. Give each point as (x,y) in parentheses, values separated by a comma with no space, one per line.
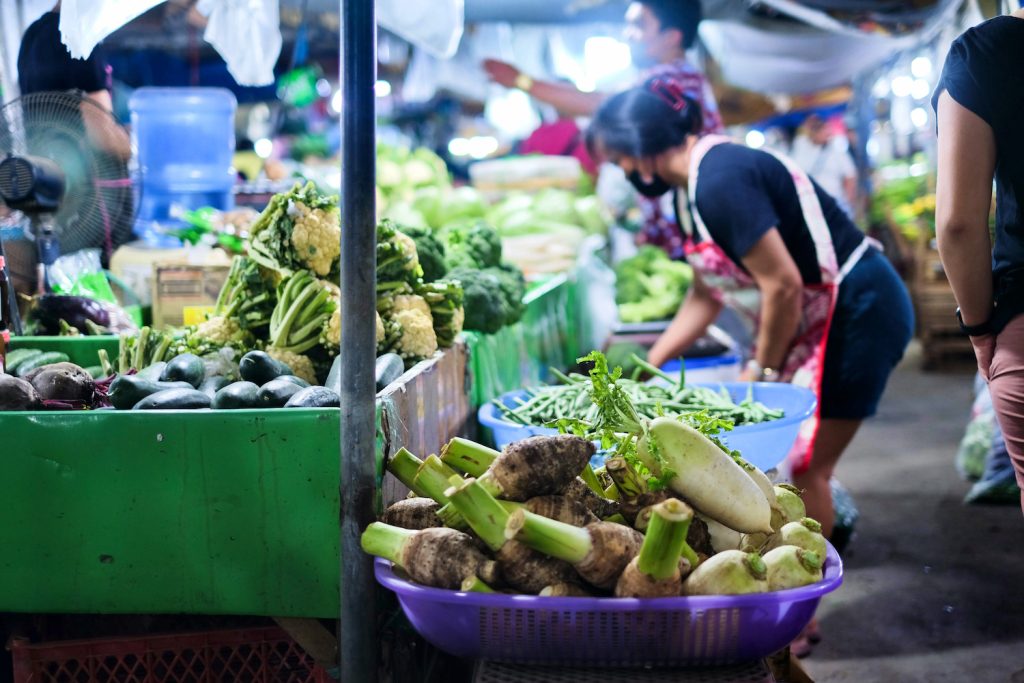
(765,444)
(723,368)
(184,140)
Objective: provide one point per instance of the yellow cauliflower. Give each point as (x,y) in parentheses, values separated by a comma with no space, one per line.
(332,331)
(316,236)
(301,366)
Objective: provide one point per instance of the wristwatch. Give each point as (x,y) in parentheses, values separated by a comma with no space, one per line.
(524,82)
(973,330)
(762,374)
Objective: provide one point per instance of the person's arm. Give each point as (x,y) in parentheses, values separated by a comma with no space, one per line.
(98,120)
(781,285)
(564,97)
(691,321)
(963,195)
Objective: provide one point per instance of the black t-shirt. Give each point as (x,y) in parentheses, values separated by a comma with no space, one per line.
(742,193)
(45,64)
(983,73)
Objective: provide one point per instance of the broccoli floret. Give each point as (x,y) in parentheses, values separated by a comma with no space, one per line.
(471,245)
(430,250)
(650,286)
(513,289)
(484,301)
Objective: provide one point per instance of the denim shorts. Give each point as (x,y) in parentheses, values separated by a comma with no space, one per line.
(871,327)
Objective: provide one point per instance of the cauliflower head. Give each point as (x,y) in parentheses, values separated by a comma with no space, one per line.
(380,329)
(220,331)
(301,365)
(411,302)
(417,339)
(316,236)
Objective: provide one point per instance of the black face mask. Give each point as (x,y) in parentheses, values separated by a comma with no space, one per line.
(655,188)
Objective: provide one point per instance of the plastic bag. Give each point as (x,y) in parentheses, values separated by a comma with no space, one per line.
(80,274)
(84,23)
(434,26)
(247,34)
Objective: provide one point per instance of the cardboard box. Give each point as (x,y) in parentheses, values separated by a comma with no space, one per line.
(177,287)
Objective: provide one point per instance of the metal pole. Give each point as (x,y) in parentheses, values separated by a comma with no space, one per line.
(357,633)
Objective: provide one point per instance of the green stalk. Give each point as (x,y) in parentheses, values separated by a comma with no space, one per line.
(617,518)
(473,584)
(108,369)
(432,478)
(625,478)
(612,492)
(591,479)
(384,540)
(467,456)
(404,466)
(563,541)
(281,336)
(485,516)
(161,349)
(665,541)
(140,348)
(122,354)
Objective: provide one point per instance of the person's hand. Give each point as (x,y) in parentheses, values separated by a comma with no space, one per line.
(984,349)
(500,72)
(746,375)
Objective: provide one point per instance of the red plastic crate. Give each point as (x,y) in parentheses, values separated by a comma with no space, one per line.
(257,655)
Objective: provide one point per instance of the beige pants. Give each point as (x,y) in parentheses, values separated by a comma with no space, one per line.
(1001,362)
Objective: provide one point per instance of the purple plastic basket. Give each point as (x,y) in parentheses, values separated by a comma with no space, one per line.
(624,632)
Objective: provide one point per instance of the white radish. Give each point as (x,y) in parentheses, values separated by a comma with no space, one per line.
(705,475)
(792,567)
(804,534)
(731,572)
(722,537)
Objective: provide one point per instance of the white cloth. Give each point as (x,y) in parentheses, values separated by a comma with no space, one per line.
(247,34)
(829,165)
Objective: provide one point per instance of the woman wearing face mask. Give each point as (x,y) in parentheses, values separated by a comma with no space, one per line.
(825,308)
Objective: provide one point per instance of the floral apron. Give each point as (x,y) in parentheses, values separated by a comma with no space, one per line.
(734,287)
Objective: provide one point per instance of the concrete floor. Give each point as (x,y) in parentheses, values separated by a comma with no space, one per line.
(934,589)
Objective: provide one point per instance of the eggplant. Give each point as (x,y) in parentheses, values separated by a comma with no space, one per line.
(48,310)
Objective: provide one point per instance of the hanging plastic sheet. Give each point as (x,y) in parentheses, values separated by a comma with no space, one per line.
(816,51)
(434,26)
(247,34)
(84,23)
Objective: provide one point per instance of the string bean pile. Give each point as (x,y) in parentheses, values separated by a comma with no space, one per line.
(571,399)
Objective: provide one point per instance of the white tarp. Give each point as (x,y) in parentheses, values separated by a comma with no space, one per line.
(435,26)
(815,53)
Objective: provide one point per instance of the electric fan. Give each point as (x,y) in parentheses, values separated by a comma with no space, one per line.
(64,166)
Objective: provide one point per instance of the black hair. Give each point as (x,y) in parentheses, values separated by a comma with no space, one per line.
(682,15)
(641,123)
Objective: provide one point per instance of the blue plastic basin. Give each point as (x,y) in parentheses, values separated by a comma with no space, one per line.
(765,444)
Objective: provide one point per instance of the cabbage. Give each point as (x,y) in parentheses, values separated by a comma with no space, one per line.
(557,205)
(460,204)
(403,214)
(591,214)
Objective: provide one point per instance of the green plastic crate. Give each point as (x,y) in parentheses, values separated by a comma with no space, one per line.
(82,350)
(207,512)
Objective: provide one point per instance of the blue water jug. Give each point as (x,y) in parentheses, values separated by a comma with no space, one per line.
(184,140)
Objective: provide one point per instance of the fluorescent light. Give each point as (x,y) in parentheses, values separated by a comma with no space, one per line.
(604,56)
(881,88)
(336,102)
(902,86)
(919,117)
(263,148)
(481,146)
(755,139)
(921,67)
(921,89)
(459,147)
(382,88)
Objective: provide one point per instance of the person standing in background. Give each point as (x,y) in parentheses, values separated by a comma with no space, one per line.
(978,103)
(46,65)
(659,32)
(824,155)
